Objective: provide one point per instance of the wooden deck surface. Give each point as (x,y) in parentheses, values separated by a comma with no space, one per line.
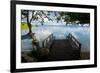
(62,50)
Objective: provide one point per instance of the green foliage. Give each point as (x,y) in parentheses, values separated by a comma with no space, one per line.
(65,16)
(24,26)
(81,17)
(72,17)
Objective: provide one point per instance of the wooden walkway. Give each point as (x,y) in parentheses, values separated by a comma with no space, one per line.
(64,49)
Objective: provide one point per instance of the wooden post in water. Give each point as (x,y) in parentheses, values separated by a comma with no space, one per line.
(79,50)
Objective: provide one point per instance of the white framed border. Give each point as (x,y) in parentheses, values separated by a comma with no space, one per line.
(20,65)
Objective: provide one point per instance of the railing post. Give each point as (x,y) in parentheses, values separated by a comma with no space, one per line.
(79,50)
(70,36)
(76,43)
(47,42)
(43,44)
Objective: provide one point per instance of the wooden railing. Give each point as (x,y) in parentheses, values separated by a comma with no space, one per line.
(48,41)
(74,43)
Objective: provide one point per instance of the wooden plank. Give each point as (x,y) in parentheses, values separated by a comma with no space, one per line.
(62,50)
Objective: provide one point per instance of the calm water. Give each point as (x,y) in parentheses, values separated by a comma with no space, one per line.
(60,32)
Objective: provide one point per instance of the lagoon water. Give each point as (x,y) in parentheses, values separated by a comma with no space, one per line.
(60,32)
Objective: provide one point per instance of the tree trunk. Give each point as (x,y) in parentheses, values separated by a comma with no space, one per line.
(28,23)
(29,26)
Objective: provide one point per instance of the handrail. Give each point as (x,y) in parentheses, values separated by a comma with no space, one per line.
(48,41)
(71,37)
(75,43)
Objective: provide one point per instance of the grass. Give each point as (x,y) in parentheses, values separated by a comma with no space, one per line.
(24,26)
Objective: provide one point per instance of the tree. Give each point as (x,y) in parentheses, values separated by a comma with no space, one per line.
(25,14)
(73,17)
(81,17)
(35,15)
(64,16)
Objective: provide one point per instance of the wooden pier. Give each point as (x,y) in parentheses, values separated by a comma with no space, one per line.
(59,49)
(63,49)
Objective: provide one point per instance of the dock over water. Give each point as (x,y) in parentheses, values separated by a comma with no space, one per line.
(62,49)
